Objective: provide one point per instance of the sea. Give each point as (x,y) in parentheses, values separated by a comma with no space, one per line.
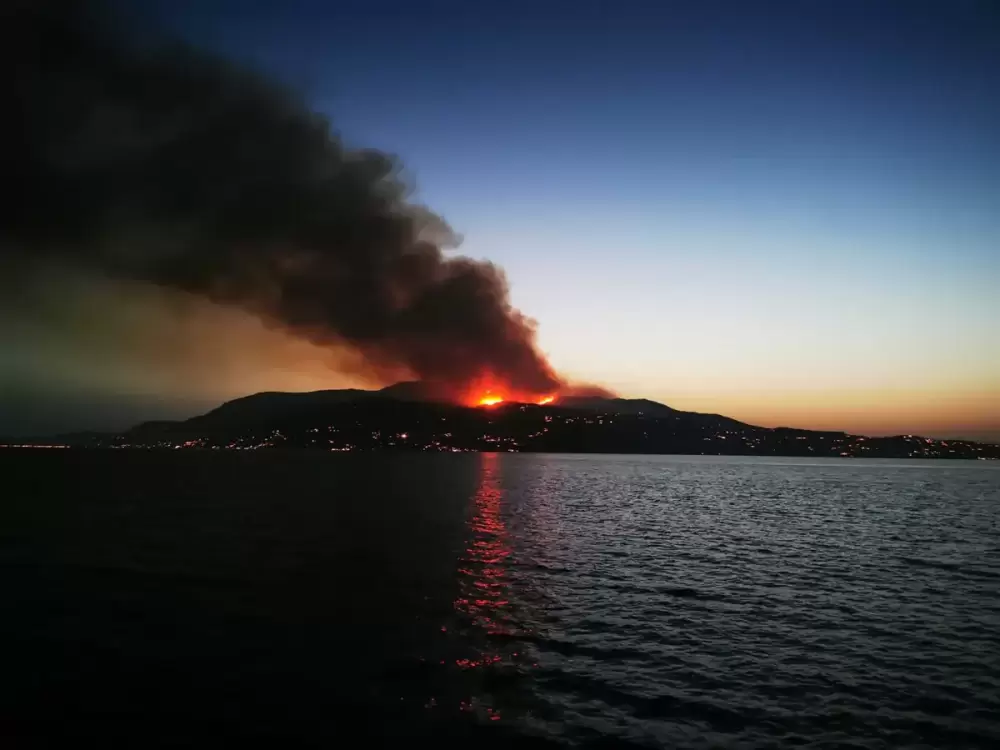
(304,599)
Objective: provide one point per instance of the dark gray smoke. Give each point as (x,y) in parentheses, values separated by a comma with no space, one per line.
(165,164)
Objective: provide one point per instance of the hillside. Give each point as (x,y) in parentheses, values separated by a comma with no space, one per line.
(401,417)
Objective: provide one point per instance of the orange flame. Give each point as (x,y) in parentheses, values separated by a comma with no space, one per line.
(489,399)
(489,390)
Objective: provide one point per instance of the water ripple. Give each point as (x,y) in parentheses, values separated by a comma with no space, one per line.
(744,603)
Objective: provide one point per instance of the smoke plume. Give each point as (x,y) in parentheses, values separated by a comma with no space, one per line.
(163,164)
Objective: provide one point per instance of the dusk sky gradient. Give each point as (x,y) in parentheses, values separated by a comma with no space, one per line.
(788,213)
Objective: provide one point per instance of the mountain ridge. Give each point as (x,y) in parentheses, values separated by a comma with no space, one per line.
(405,417)
(261,405)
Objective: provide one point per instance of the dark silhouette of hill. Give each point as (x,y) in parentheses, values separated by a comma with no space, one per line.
(406,417)
(618,405)
(646,407)
(263,407)
(268,407)
(410,390)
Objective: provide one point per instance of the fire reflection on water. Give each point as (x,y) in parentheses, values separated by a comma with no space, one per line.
(484,582)
(483,603)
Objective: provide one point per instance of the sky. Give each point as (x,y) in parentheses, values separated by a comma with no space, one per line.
(788,213)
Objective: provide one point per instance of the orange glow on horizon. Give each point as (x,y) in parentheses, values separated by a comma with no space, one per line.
(489,400)
(546,400)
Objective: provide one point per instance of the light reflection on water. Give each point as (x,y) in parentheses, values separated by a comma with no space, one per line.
(484,580)
(487,621)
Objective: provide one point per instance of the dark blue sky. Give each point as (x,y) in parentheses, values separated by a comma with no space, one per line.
(788,212)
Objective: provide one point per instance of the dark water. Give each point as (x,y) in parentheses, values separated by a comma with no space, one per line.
(304,600)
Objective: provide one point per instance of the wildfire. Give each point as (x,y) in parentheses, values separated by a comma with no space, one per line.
(491,399)
(488,390)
